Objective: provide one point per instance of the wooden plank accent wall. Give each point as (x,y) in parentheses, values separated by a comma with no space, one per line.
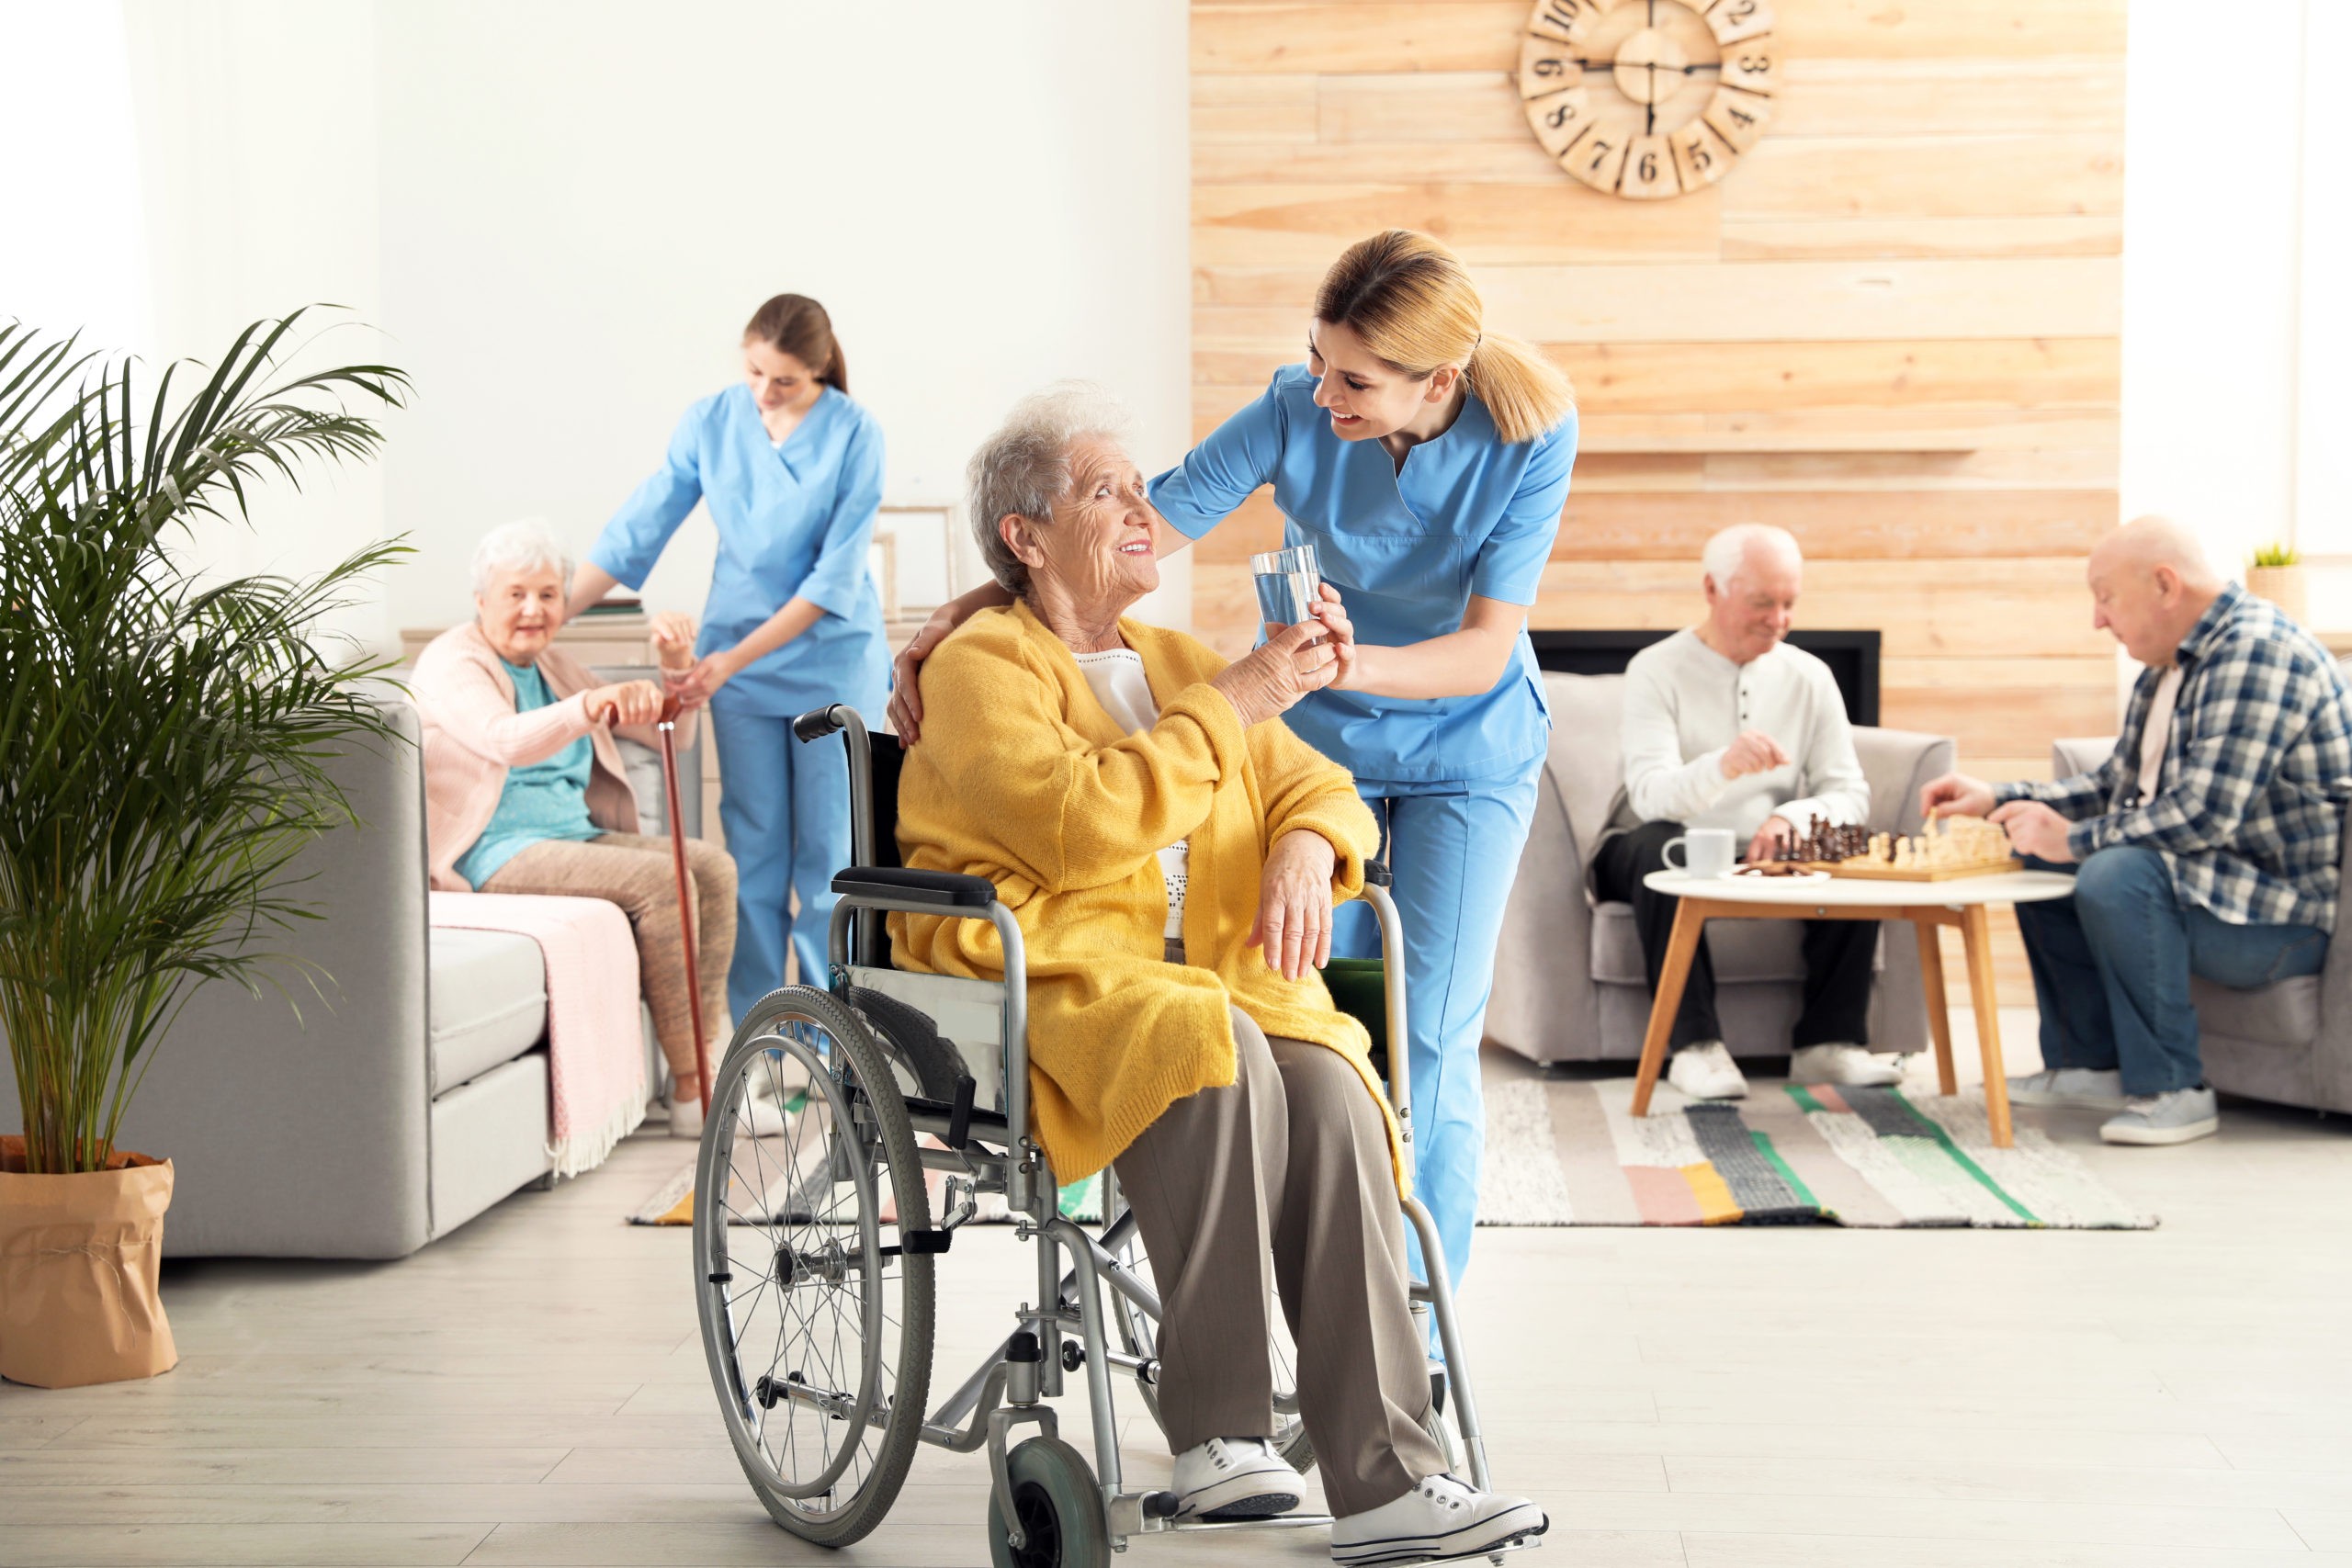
(1893,328)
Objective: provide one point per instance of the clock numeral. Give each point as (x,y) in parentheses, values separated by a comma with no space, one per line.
(1561,119)
(1699,156)
(1738,118)
(1566,21)
(1752,67)
(1649,169)
(1733,21)
(1598,157)
(1545,67)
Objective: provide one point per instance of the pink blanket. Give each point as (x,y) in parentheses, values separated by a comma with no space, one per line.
(595,1044)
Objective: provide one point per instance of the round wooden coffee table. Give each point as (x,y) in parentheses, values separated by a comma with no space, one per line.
(1961,901)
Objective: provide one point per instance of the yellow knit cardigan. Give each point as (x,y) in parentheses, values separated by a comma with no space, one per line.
(1021,777)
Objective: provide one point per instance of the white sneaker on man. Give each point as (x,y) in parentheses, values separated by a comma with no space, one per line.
(1440,1518)
(1853,1066)
(1234,1478)
(2176,1116)
(1706,1071)
(2081,1088)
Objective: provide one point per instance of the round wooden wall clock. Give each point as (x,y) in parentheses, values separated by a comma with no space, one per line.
(1648,98)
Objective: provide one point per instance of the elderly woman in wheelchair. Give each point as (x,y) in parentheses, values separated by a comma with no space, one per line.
(1115,815)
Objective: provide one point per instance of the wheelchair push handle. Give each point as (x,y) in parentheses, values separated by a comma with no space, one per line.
(817,723)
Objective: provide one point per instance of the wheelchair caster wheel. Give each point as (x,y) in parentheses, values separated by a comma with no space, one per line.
(1058,1506)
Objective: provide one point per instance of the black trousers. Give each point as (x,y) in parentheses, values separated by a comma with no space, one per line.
(1837,953)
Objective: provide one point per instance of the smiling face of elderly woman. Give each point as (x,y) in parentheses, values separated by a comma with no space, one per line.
(1094,558)
(521,576)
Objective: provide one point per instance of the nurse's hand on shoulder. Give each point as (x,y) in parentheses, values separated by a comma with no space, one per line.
(1271,677)
(692,686)
(1294,921)
(674,640)
(906,692)
(629,702)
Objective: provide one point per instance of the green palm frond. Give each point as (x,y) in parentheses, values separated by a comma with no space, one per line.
(168,739)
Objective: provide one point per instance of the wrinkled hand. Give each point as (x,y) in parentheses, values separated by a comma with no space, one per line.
(1753,753)
(906,693)
(1272,678)
(1956,795)
(1294,921)
(2036,830)
(674,640)
(693,685)
(1775,832)
(629,702)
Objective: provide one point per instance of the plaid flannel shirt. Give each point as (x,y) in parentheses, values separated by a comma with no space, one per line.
(2249,816)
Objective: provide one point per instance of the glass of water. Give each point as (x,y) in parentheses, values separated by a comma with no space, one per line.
(1290,584)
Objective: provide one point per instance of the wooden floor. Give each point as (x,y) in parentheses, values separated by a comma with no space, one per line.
(532,1391)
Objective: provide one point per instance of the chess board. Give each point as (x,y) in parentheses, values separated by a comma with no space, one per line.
(1943,850)
(1870,871)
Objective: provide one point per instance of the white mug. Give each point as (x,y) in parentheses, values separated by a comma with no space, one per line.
(1706,852)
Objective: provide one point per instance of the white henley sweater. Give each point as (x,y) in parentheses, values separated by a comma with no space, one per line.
(1685,704)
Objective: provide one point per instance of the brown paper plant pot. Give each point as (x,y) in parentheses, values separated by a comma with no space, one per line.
(2283,586)
(79,1257)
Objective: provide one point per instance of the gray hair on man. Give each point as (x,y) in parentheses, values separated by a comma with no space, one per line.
(526,544)
(1727,554)
(1024,468)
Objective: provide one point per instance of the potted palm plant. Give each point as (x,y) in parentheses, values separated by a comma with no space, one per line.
(2277,574)
(167,736)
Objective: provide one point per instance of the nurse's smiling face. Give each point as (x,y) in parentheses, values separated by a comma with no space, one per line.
(1096,557)
(780,383)
(519,613)
(1366,397)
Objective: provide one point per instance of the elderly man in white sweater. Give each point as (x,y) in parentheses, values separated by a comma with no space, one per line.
(1726,726)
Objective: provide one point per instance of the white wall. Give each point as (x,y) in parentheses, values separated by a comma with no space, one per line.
(561,213)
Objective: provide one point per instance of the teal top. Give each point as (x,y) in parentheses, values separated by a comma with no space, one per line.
(542,800)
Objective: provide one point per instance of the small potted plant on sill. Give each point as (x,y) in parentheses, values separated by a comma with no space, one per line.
(2277,574)
(167,734)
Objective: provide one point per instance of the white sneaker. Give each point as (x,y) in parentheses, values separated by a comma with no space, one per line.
(1706,1071)
(768,1119)
(2176,1116)
(1234,1478)
(1852,1065)
(1441,1517)
(2086,1089)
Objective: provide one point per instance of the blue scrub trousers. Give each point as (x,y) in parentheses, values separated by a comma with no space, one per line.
(1453,848)
(785,806)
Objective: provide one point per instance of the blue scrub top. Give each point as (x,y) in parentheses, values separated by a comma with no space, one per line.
(1466,514)
(794,521)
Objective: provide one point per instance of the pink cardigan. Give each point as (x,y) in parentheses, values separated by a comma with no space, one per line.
(473,735)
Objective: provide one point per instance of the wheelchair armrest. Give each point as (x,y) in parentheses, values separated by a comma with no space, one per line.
(926,889)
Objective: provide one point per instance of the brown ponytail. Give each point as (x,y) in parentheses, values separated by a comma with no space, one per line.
(797,325)
(1413,304)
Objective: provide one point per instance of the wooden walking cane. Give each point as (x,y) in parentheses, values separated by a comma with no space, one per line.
(667,727)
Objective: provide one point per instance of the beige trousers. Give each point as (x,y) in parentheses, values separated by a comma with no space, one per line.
(1283,1179)
(634,872)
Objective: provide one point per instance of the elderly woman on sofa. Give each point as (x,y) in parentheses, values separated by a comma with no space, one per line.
(526,792)
(1173,853)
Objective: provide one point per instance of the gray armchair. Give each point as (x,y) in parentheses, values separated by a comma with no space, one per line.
(1569,984)
(2290,1042)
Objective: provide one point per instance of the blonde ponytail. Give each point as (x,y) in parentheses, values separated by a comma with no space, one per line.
(1413,302)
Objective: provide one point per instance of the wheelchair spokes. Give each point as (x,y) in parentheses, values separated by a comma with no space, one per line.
(816,1319)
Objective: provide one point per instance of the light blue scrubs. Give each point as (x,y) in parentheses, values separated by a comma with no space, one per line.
(1451,779)
(794,521)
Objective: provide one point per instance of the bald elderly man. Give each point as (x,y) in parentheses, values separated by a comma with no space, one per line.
(2207,844)
(1726,726)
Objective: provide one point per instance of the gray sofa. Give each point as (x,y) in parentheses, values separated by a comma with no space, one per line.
(408,1099)
(2290,1042)
(1569,985)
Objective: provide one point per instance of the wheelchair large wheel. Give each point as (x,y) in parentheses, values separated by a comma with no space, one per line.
(1059,1506)
(816,1320)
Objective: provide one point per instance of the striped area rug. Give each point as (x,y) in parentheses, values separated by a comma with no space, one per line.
(1571,1153)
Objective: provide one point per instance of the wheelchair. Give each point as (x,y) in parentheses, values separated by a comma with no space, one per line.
(815,1249)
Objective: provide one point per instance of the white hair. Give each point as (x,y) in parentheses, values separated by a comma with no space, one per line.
(1024,469)
(523,544)
(1725,556)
